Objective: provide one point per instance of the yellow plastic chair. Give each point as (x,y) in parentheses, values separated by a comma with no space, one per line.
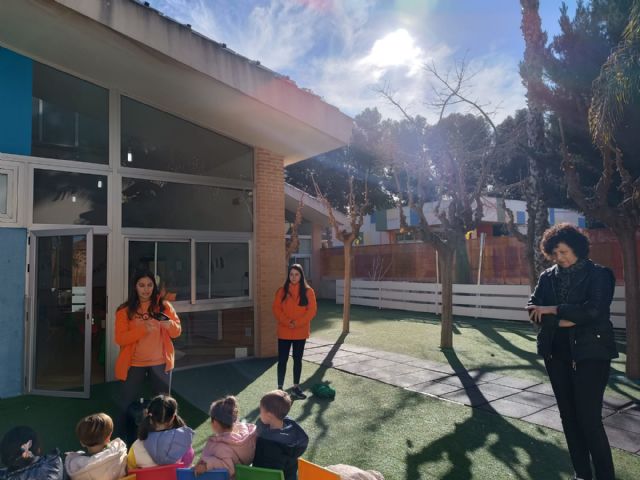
(311,471)
(244,472)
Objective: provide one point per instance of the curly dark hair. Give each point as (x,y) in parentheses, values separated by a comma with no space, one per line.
(574,237)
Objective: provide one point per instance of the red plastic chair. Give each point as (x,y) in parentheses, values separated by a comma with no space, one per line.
(161,472)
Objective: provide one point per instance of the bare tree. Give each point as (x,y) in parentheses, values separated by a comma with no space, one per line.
(355,212)
(293,243)
(452,163)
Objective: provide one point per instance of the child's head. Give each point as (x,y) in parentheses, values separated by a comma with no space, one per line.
(19,447)
(94,430)
(162,414)
(274,405)
(224,413)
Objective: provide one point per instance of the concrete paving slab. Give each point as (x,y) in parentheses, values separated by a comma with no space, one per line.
(415,378)
(515,382)
(606,412)
(482,375)
(504,406)
(533,399)
(400,369)
(434,389)
(623,439)
(396,357)
(546,418)
(498,391)
(633,409)
(471,397)
(361,367)
(460,382)
(436,366)
(544,388)
(351,359)
(356,348)
(616,403)
(623,421)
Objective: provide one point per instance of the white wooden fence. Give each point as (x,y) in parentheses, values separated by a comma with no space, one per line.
(479,301)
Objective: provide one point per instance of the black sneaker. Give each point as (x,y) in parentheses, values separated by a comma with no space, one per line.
(297,393)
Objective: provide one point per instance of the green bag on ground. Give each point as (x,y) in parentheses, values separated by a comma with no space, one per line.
(322,390)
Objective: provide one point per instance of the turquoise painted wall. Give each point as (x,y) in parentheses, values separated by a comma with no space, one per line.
(13,257)
(16,84)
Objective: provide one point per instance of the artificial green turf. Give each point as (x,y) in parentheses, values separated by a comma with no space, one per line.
(506,347)
(404,435)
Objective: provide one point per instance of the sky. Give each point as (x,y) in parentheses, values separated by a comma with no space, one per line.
(347,50)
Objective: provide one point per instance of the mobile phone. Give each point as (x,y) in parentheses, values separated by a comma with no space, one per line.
(161,316)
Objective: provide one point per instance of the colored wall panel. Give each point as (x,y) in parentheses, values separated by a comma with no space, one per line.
(16,75)
(13,252)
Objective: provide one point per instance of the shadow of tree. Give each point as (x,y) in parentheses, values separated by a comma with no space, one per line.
(482,430)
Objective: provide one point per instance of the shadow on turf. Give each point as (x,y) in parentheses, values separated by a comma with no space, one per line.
(478,432)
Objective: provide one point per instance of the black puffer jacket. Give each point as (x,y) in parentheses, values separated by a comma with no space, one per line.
(588,306)
(279,449)
(47,467)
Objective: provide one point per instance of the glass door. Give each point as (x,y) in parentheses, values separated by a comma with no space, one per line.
(60,319)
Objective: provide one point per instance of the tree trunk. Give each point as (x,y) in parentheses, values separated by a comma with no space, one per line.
(627,239)
(346,306)
(446,258)
(463,270)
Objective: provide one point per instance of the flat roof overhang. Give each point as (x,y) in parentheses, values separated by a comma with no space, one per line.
(123,45)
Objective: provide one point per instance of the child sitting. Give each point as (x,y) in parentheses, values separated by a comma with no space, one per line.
(20,453)
(163,437)
(280,439)
(232,443)
(104,459)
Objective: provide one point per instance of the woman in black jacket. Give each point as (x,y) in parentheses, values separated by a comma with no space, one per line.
(571,303)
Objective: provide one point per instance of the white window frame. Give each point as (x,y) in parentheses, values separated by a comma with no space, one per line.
(12,171)
(193,305)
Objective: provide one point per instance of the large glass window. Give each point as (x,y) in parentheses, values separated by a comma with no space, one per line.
(222,270)
(70,117)
(155,140)
(69,198)
(160,204)
(214,335)
(170,262)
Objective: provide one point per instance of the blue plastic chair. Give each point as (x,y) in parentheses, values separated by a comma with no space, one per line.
(244,472)
(217,474)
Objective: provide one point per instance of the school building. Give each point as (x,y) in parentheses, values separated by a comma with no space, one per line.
(129,141)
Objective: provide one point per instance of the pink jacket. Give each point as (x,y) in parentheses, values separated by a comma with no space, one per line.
(229,448)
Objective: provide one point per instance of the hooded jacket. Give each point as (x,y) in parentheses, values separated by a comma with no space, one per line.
(128,332)
(162,448)
(288,309)
(109,464)
(348,472)
(227,449)
(47,467)
(280,448)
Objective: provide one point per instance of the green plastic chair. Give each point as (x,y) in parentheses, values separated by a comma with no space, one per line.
(244,472)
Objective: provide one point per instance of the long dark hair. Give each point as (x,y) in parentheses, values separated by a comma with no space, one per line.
(160,410)
(303,285)
(133,302)
(15,451)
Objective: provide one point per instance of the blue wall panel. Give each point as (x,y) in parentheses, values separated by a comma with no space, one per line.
(13,257)
(16,73)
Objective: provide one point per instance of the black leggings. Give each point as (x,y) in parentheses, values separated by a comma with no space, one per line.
(284,346)
(579,395)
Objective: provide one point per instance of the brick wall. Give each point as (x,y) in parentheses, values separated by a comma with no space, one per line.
(269,246)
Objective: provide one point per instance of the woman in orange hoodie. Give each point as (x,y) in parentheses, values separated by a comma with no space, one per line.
(145,325)
(294,307)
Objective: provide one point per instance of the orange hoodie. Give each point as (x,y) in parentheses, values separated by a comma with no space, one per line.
(288,310)
(129,332)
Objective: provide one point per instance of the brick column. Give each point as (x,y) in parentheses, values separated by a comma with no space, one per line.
(268,246)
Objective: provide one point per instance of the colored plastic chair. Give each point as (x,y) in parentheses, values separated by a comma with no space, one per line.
(216,474)
(311,471)
(244,472)
(161,472)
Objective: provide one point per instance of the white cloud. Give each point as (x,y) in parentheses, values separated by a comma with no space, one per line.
(395,49)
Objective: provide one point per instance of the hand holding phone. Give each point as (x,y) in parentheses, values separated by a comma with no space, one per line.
(162,317)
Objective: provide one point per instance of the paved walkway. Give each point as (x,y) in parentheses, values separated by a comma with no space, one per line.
(528,400)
